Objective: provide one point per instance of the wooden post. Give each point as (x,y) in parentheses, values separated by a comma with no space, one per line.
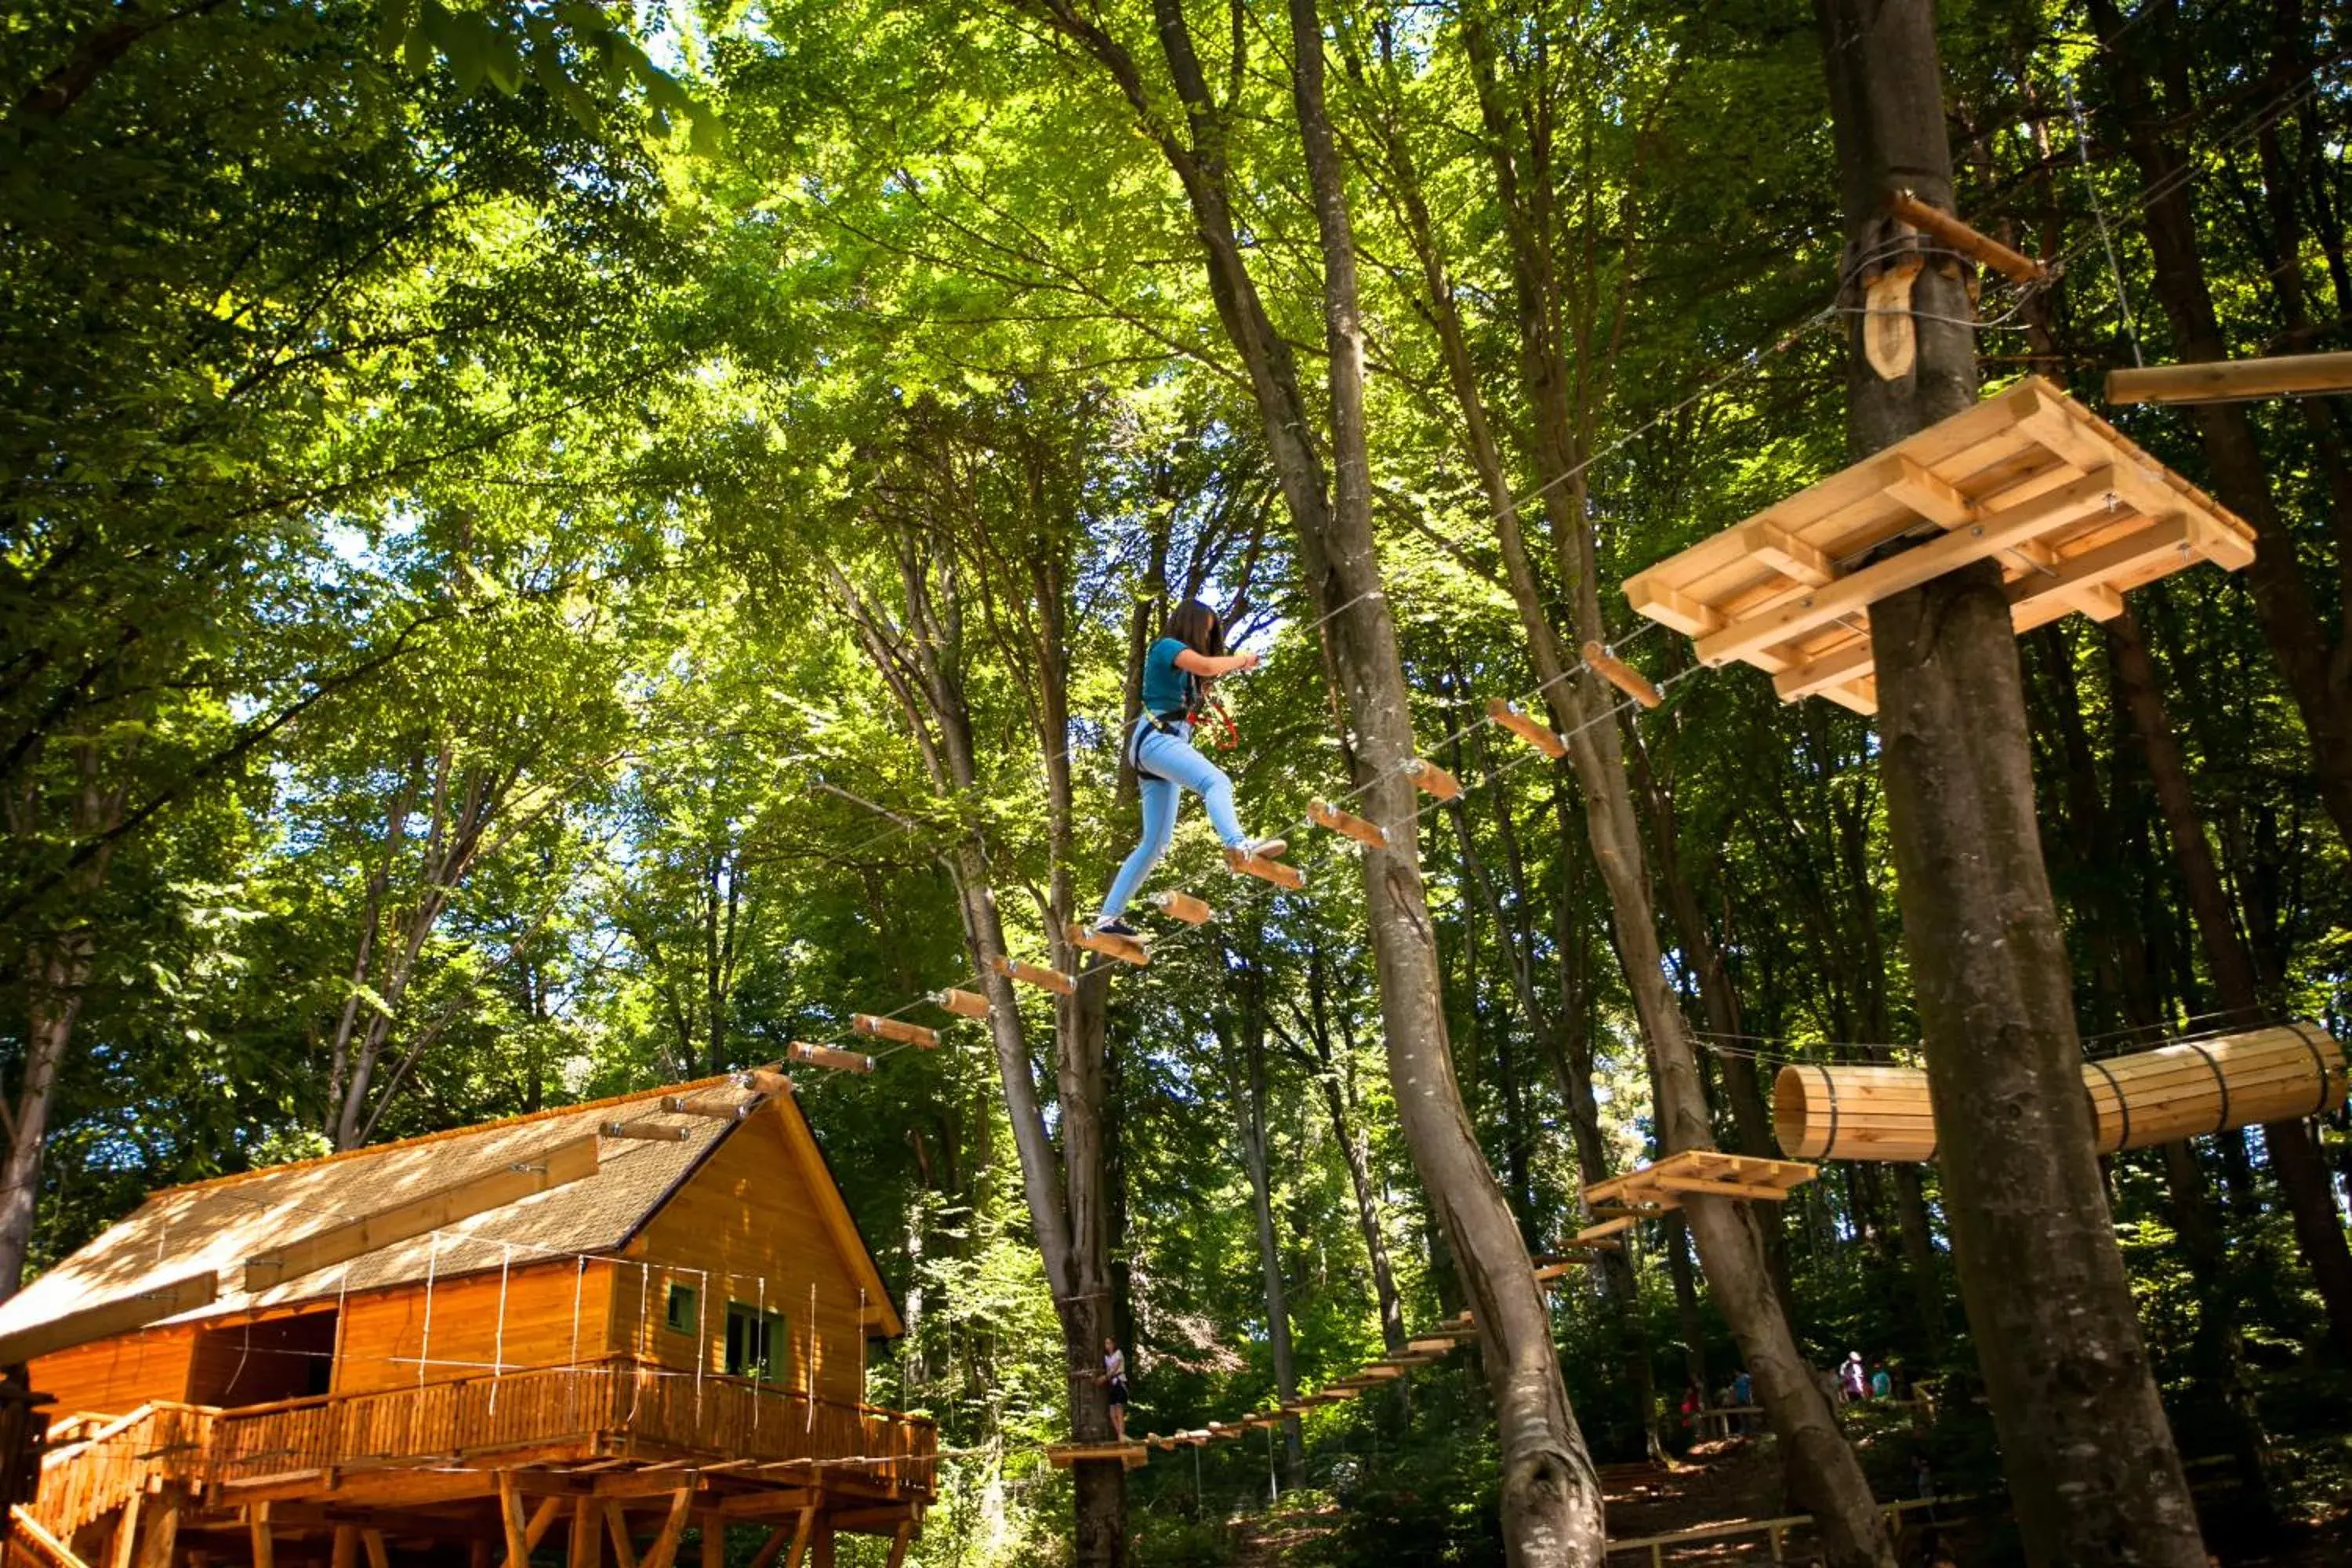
(1431,779)
(158,1535)
(265,1545)
(962,1003)
(378,1554)
(616,1524)
(126,1532)
(1323,814)
(347,1546)
(827,1057)
(897,1029)
(511,1520)
(905,1533)
(587,1548)
(664,1551)
(1527,728)
(714,1540)
(1622,676)
(1183,906)
(821,1545)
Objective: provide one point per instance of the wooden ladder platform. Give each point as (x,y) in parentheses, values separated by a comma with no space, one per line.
(1125,949)
(2075,514)
(1273,871)
(1062,1456)
(1662,1185)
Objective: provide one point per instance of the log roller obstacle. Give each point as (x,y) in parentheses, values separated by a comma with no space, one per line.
(2185,1090)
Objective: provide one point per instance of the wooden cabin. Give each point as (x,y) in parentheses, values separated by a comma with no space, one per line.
(592,1329)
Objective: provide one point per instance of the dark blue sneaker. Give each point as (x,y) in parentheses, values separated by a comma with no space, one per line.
(1112,925)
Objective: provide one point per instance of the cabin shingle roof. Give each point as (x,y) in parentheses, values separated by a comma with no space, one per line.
(219,1224)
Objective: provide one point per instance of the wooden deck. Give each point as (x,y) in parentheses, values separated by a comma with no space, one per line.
(421,1468)
(1659,1187)
(2075,514)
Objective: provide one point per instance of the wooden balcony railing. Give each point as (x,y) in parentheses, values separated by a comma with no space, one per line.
(620,1399)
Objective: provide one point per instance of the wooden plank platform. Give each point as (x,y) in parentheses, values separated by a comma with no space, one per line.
(1132,1455)
(2075,514)
(1593,1235)
(1662,1185)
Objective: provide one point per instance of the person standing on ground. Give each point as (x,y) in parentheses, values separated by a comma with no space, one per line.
(1851,1384)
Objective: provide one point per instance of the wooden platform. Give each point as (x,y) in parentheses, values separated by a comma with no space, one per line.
(1661,1186)
(2076,515)
(1131,1455)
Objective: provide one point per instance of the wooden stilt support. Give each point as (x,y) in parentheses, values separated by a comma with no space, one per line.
(1371,835)
(645,1132)
(826,1056)
(1273,871)
(1053,980)
(1433,780)
(1124,949)
(1980,247)
(587,1546)
(897,1029)
(1622,676)
(662,1553)
(962,1003)
(1527,728)
(2226,381)
(1183,906)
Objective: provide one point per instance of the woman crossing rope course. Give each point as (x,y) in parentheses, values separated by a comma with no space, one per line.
(1176,671)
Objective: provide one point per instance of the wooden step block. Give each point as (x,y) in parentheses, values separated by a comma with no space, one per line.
(648,1131)
(826,1056)
(962,1003)
(1052,979)
(897,1029)
(1124,949)
(1527,728)
(1620,675)
(1371,835)
(1433,780)
(1273,871)
(1183,906)
(1431,1345)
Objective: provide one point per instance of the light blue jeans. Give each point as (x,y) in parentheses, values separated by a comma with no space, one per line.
(1165,766)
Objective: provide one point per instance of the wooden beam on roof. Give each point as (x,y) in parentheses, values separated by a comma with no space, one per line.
(2230,380)
(109,1318)
(554,1166)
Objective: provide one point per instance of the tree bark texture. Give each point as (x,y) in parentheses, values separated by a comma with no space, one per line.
(2089,1456)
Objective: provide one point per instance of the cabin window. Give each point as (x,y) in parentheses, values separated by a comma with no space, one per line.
(685,1315)
(755,1342)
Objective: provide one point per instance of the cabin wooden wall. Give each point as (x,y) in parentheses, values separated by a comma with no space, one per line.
(748,1220)
(114,1377)
(384,1331)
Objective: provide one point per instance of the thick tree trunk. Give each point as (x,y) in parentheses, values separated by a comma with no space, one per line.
(1337,1100)
(1247,1077)
(60,968)
(2303,1175)
(2090,1459)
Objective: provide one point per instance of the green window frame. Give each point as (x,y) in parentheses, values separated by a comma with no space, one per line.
(682,1308)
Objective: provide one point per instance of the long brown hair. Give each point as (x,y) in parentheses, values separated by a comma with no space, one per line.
(1196,626)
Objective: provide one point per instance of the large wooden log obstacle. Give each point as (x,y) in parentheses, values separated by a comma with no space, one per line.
(2175,1091)
(2228,380)
(2075,515)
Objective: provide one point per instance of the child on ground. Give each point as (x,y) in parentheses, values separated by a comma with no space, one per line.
(1191,652)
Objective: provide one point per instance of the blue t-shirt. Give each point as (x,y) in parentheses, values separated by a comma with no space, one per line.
(1166,688)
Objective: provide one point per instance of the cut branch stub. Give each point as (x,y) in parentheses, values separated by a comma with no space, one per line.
(1322,814)
(827,1057)
(897,1029)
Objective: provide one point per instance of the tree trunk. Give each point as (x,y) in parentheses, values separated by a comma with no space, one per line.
(1337,1099)
(2090,1459)
(1550,1496)
(1246,1074)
